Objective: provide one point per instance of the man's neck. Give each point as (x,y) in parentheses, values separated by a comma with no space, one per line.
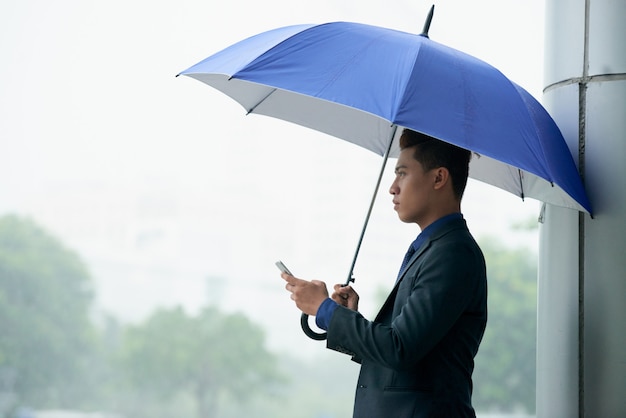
(440,212)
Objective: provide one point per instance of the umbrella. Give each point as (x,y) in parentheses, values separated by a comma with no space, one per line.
(364,83)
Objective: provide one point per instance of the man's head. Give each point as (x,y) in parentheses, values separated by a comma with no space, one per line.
(431,176)
(433,153)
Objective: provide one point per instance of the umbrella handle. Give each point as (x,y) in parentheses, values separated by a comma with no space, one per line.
(304,322)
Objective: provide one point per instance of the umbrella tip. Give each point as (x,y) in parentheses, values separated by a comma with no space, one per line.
(429,19)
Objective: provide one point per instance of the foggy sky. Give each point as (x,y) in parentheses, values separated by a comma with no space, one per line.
(170,193)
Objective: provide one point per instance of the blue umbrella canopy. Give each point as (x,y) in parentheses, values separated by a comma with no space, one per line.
(364,83)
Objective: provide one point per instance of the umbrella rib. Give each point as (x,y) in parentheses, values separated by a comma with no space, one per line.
(261,101)
(521,183)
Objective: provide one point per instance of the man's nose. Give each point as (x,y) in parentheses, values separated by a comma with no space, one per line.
(393,189)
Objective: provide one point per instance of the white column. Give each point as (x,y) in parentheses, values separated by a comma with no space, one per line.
(581,346)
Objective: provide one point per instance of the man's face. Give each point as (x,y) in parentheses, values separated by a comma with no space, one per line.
(411,188)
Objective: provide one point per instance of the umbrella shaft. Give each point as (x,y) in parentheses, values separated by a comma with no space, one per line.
(369,211)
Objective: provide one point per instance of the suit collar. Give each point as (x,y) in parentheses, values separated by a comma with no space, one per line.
(452,224)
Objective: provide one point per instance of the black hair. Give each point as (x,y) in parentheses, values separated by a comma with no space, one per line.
(434,153)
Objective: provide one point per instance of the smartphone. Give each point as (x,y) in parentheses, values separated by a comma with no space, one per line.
(283,267)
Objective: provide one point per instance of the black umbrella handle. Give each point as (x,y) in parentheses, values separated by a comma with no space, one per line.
(304,323)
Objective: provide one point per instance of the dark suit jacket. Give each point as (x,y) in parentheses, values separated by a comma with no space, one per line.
(417,356)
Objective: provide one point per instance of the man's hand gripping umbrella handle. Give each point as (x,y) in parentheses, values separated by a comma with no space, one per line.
(304,321)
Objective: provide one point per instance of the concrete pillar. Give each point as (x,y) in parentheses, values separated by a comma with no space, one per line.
(581,344)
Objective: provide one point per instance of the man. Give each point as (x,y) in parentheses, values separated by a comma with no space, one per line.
(417,356)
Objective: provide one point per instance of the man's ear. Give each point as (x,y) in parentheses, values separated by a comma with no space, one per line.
(442,177)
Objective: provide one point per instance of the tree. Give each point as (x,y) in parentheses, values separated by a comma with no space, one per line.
(212,355)
(504,377)
(45,295)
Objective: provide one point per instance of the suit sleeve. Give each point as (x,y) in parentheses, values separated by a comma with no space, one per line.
(439,291)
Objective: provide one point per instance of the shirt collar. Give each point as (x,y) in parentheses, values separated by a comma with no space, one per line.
(433,227)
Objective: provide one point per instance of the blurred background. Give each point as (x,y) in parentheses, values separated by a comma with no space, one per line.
(141,215)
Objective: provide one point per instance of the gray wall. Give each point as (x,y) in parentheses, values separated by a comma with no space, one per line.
(581,353)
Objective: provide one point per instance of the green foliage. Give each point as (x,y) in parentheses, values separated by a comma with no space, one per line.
(212,364)
(319,387)
(45,295)
(504,377)
(211,356)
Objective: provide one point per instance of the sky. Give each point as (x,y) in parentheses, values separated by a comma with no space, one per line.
(172,195)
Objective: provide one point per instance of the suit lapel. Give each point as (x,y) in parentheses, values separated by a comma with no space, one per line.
(426,245)
(389,302)
(413,259)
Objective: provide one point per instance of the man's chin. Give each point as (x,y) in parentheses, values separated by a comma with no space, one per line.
(403,219)
(406,219)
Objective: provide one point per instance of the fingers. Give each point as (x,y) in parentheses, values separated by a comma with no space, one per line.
(308,295)
(345,296)
(344,291)
(293,282)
